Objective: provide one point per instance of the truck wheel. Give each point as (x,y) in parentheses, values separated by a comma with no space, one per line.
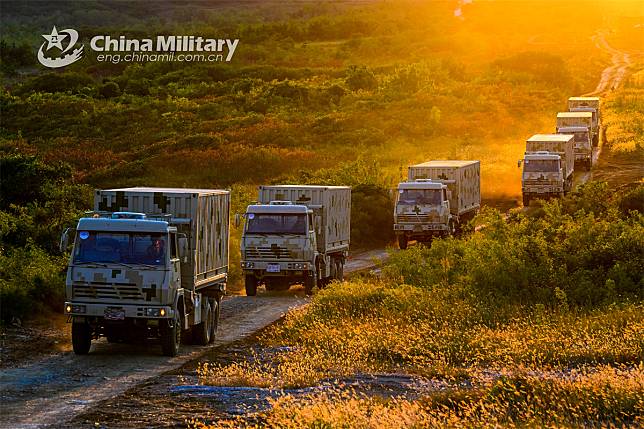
(201,332)
(250,283)
(588,165)
(339,270)
(171,335)
(81,338)
(402,242)
(310,282)
(526,201)
(216,306)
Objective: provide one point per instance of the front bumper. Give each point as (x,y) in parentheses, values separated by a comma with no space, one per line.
(276,268)
(582,156)
(420,227)
(78,309)
(542,190)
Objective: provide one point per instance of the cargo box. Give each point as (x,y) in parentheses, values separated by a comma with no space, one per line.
(201,214)
(331,203)
(463,180)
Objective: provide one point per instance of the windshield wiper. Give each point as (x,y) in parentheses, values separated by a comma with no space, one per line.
(91,262)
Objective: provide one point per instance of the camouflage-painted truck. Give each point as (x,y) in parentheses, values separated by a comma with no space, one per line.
(588,104)
(548,166)
(295,234)
(438,198)
(580,125)
(148,262)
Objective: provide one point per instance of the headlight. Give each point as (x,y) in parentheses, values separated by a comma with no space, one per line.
(247,264)
(75,308)
(154,312)
(300,266)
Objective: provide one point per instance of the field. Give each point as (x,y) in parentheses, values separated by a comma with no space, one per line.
(533,319)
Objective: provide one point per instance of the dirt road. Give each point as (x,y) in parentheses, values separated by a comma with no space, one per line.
(612,76)
(54,390)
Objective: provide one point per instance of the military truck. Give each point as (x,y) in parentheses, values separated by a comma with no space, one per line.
(148,262)
(548,166)
(588,104)
(438,198)
(582,145)
(296,234)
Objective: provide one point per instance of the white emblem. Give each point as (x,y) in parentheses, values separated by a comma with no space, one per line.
(55,40)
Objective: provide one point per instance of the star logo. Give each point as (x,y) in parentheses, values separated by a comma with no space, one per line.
(55,40)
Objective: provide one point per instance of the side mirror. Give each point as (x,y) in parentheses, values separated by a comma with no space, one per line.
(63,245)
(237,220)
(318,224)
(183,247)
(519,162)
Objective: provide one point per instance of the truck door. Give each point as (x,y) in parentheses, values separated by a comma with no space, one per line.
(175,261)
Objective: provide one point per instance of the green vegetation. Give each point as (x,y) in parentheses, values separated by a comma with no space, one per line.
(510,309)
(37,201)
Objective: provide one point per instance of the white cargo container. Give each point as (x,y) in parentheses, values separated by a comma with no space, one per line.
(463,180)
(331,203)
(296,234)
(588,104)
(438,198)
(149,262)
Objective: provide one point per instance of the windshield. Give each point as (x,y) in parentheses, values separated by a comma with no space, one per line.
(541,165)
(120,247)
(262,223)
(419,196)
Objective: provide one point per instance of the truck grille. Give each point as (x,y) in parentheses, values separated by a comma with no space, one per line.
(98,290)
(412,218)
(537,182)
(268,252)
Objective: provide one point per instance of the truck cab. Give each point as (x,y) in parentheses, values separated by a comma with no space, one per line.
(542,176)
(278,246)
(422,211)
(582,144)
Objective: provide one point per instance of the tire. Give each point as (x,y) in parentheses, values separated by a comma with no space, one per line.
(81,338)
(402,242)
(339,270)
(250,283)
(215,304)
(310,282)
(451,228)
(201,332)
(526,201)
(171,336)
(588,165)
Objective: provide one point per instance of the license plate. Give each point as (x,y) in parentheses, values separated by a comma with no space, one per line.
(273,268)
(114,314)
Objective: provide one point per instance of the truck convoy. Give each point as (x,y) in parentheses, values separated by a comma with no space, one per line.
(548,166)
(579,125)
(437,199)
(148,262)
(588,104)
(295,234)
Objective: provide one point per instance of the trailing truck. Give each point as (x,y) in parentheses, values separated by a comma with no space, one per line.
(295,234)
(592,105)
(582,145)
(548,166)
(437,199)
(148,263)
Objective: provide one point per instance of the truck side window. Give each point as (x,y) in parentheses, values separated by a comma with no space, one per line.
(173,246)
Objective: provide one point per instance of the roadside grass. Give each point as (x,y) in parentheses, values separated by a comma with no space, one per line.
(535,320)
(606,396)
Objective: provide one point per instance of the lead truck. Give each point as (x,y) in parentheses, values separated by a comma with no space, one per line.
(148,262)
(437,199)
(548,165)
(295,234)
